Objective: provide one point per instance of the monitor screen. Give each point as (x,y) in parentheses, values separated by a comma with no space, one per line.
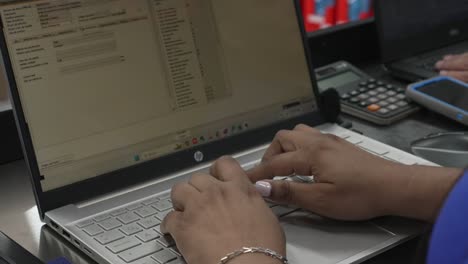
(322,14)
(106,85)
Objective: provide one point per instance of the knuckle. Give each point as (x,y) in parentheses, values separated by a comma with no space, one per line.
(281,134)
(301,126)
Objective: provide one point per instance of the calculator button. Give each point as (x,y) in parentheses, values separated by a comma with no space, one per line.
(391,93)
(373,108)
(383,111)
(392,107)
(372,93)
(363,96)
(381,89)
(354,100)
(389,86)
(354,93)
(383,104)
(380,83)
(400,96)
(345,96)
(362,90)
(363,84)
(392,100)
(373,100)
(371,86)
(402,104)
(363,104)
(382,96)
(372,80)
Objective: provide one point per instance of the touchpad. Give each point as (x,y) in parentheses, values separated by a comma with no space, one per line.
(314,239)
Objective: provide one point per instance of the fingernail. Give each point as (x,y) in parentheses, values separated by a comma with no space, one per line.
(264,188)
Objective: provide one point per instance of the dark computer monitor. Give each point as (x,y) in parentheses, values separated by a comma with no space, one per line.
(341,30)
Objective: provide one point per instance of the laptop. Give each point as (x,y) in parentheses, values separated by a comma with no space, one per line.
(416,34)
(117,101)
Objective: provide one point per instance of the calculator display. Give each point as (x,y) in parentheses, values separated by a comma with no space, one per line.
(339,80)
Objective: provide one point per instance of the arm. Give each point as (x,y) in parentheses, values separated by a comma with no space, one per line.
(351,184)
(455,66)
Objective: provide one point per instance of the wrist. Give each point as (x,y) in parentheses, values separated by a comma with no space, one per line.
(420,191)
(254,258)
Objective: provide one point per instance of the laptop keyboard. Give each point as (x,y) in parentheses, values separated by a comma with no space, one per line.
(133,232)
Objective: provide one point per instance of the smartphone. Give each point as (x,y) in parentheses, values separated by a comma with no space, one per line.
(444,95)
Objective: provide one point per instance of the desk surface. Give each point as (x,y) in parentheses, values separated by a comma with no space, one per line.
(19,217)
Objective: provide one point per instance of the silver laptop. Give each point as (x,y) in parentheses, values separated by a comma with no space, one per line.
(116,101)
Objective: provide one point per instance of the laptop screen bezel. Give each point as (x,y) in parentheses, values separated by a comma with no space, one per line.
(151,170)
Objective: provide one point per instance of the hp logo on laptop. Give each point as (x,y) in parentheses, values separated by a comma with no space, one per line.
(198,156)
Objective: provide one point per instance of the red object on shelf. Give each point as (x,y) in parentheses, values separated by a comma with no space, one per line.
(319,14)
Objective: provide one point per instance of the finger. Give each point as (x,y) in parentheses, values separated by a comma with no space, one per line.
(459,63)
(460,75)
(170,223)
(202,182)
(285,164)
(307,129)
(307,196)
(227,169)
(284,141)
(182,194)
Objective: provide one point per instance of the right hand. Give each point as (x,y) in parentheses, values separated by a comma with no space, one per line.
(351,184)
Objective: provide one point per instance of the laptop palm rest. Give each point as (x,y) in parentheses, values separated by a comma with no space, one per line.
(314,239)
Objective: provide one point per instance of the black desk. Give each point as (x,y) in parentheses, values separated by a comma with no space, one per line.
(19,217)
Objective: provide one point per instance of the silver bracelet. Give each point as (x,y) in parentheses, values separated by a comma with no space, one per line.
(250,250)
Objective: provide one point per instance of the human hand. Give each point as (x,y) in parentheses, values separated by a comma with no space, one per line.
(351,184)
(220,213)
(455,66)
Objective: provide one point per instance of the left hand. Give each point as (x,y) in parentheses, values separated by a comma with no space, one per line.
(221,213)
(455,66)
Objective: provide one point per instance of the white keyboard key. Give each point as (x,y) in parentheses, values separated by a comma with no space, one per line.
(139,252)
(110,224)
(103,217)
(400,158)
(131,229)
(163,205)
(147,235)
(145,211)
(151,201)
(149,222)
(164,256)
(146,261)
(354,139)
(85,223)
(108,237)
(134,206)
(118,212)
(162,215)
(93,230)
(123,244)
(128,218)
(374,148)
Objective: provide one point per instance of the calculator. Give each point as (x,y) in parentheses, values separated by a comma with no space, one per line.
(365,97)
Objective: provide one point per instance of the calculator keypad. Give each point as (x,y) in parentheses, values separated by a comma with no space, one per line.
(377,97)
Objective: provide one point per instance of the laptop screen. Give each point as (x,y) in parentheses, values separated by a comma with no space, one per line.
(105,85)
(410,27)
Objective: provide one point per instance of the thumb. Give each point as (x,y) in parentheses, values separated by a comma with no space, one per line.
(306,196)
